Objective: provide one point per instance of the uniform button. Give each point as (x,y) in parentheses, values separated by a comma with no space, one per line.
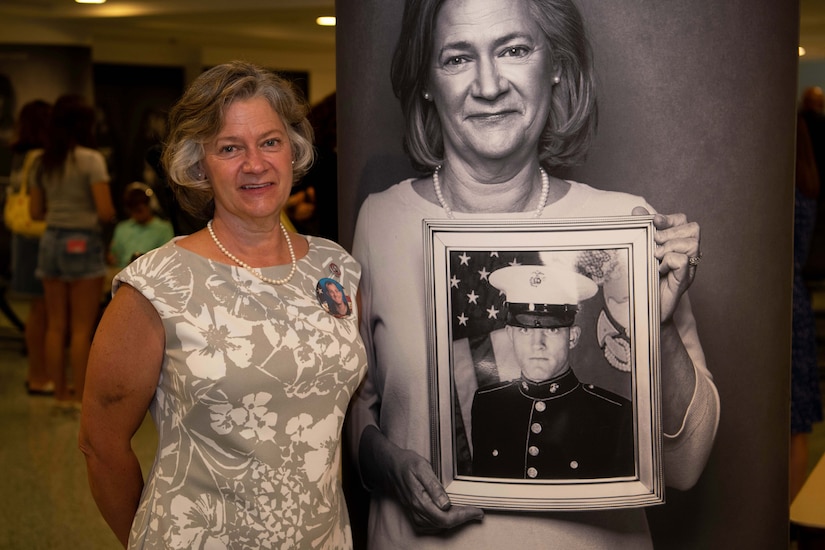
(532,473)
(574,464)
(540,406)
(533,450)
(495,452)
(535,428)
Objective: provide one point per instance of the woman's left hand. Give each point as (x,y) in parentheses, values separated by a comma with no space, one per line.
(678,252)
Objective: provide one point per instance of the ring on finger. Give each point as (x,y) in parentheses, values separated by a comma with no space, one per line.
(693,261)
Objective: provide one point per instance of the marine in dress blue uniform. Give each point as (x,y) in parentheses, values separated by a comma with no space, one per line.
(547,424)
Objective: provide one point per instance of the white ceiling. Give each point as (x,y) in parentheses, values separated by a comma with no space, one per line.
(284,24)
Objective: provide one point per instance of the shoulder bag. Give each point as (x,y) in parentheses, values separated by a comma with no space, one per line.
(16,212)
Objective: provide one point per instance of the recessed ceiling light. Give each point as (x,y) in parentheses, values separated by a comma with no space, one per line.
(326,21)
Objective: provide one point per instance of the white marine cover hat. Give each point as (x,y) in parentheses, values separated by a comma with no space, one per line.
(540,296)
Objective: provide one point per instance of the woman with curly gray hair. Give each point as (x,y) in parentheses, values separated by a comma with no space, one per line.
(222,336)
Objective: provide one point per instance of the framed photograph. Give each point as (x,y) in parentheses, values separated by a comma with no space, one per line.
(544,361)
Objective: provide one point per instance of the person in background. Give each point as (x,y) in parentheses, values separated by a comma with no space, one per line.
(301,209)
(497,95)
(812,112)
(811,116)
(142,232)
(806,395)
(314,201)
(70,191)
(221,336)
(31,135)
(182,222)
(8,106)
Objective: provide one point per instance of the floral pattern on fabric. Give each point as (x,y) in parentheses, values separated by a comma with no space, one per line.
(250,404)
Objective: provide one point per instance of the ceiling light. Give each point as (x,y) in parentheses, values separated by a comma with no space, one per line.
(90,1)
(326,21)
(801,51)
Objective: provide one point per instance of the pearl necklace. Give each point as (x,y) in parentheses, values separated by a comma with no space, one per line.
(255,271)
(545,192)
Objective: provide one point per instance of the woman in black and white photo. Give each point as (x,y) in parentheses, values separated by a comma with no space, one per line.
(497,96)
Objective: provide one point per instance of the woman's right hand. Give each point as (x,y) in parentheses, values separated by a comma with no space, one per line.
(406,474)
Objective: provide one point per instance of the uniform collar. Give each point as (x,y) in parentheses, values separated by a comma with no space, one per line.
(549,389)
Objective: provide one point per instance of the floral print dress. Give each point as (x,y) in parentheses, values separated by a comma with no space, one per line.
(249,404)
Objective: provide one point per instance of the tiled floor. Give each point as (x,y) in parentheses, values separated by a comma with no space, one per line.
(46,502)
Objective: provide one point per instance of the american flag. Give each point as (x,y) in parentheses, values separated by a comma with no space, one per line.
(477,307)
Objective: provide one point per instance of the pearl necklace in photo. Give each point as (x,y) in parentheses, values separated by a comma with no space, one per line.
(545,192)
(255,271)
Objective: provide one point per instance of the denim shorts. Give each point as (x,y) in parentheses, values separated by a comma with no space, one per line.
(70,254)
